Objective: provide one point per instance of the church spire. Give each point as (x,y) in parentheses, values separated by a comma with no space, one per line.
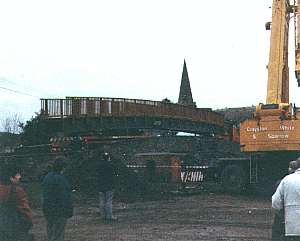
(185,94)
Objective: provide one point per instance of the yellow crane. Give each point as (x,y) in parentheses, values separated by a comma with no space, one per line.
(276,124)
(271,138)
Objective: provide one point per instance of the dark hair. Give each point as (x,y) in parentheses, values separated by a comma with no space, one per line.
(58,164)
(293,165)
(8,170)
(298,163)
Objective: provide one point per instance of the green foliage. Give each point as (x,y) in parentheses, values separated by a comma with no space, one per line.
(35,132)
(166,100)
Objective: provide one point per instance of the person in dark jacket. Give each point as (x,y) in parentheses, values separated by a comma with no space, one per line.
(13,200)
(57,201)
(106,173)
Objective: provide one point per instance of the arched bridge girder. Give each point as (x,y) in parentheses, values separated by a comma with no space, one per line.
(90,114)
(70,126)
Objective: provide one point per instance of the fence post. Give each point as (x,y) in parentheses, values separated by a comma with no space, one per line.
(61,108)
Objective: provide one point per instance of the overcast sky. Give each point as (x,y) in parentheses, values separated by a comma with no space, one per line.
(134,49)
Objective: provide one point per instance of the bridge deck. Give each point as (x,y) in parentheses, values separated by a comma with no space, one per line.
(76,108)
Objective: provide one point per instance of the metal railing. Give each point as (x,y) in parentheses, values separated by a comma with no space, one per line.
(76,107)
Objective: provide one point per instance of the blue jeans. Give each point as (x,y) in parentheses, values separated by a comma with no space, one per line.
(105,203)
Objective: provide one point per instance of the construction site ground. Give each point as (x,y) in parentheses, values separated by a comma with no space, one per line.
(201,216)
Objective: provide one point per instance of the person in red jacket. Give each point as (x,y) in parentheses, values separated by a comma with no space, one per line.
(13,202)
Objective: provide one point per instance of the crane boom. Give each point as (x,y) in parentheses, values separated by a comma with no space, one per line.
(278,70)
(297,41)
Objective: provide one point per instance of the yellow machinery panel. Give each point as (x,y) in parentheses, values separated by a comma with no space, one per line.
(270,135)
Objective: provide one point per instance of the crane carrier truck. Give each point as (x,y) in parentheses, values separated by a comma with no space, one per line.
(272,137)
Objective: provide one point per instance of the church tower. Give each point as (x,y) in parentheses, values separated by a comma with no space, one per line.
(185,94)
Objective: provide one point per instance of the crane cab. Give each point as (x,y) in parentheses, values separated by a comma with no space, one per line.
(275,127)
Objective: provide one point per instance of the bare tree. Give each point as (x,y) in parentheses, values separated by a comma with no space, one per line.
(12,123)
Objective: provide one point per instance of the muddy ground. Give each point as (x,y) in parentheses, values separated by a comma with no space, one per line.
(204,216)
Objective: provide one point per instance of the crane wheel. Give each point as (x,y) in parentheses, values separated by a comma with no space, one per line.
(233,179)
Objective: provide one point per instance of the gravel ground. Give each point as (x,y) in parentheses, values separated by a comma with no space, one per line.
(204,216)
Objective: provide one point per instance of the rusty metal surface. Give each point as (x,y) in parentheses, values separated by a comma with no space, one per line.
(114,107)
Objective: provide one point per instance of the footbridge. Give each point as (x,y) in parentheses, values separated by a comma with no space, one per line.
(122,116)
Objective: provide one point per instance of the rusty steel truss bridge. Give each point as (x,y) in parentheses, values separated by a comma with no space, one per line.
(74,115)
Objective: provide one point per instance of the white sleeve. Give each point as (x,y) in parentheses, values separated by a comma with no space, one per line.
(277,198)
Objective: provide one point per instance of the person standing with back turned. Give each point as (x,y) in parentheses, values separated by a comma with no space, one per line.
(287,198)
(57,202)
(106,184)
(278,226)
(13,203)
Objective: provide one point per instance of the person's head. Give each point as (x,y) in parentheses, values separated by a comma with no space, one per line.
(9,173)
(106,157)
(58,165)
(297,163)
(292,167)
